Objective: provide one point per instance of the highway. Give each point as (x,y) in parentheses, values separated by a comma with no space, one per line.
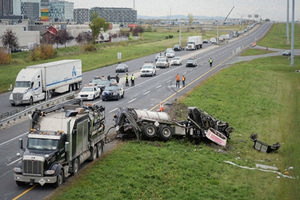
(147,93)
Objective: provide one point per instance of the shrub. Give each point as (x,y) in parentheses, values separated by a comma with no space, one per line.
(5,58)
(43,52)
(89,47)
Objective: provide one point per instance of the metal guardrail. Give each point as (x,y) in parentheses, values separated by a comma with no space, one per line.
(10,118)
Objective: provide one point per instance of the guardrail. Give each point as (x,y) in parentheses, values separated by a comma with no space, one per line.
(10,118)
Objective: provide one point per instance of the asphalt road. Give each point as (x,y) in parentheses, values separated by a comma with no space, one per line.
(147,93)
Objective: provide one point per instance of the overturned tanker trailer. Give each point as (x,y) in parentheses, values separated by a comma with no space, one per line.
(151,124)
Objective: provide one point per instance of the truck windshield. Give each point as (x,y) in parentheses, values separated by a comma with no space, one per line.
(42,144)
(25,84)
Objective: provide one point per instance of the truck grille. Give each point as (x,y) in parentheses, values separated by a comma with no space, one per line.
(33,167)
(17,96)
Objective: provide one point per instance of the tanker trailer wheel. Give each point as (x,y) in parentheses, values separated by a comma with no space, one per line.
(149,130)
(99,149)
(165,133)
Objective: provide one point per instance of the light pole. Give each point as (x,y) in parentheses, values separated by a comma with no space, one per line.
(287,23)
(293,29)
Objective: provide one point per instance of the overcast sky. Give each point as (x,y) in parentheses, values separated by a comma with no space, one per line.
(273,9)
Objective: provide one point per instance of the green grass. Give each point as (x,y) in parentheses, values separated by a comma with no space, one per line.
(276,38)
(252,52)
(261,96)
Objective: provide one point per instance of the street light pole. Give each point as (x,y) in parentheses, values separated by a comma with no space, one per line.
(287,23)
(293,30)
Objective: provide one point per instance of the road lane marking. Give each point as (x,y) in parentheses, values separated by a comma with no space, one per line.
(113,110)
(13,162)
(132,100)
(20,195)
(147,92)
(3,143)
(158,86)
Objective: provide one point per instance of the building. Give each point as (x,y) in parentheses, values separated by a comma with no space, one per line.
(116,15)
(31,10)
(45,10)
(61,11)
(6,7)
(81,15)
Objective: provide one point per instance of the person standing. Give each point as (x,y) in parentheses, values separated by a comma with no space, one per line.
(126,80)
(183,81)
(132,80)
(177,80)
(210,62)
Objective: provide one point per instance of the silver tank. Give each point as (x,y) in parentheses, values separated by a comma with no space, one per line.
(153,116)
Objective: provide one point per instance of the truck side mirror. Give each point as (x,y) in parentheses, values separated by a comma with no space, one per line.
(21,143)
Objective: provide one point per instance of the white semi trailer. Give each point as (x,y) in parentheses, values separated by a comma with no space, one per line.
(38,82)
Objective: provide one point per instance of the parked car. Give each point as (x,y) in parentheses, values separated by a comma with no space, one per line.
(286,53)
(100,82)
(191,62)
(170,53)
(121,68)
(162,62)
(161,54)
(148,69)
(177,47)
(205,41)
(176,61)
(113,92)
(89,93)
(213,40)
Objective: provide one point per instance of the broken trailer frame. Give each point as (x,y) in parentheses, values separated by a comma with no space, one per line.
(199,125)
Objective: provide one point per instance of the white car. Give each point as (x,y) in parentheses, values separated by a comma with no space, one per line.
(148,69)
(162,62)
(89,93)
(176,61)
(170,53)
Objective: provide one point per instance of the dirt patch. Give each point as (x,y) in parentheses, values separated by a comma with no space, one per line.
(177,111)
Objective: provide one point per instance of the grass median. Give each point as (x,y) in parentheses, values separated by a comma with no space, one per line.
(261,96)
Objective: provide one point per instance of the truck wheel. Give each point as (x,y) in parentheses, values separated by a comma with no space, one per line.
(165,133)
(94,154)
(60,179)
(75,166)
(149,131)
(19,183)
(99,149)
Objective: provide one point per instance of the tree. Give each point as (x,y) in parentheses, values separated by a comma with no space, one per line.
(96,25)
(62,37)
(191,18)
(137,30)
(83,37)
(9,39)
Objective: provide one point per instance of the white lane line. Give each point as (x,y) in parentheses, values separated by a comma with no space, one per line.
(169,81)
(146,92)
(158,86)
(14,161)
(113,110)
(3,143)
(132,100)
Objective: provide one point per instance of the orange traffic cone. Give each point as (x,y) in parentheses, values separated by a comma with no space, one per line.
(161,108)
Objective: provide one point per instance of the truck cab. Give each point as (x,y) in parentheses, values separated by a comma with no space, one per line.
(28,87)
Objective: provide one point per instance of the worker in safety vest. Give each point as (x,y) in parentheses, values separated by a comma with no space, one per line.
(177,80)
(210,62)
(126,80)
(132,80)
(183,80)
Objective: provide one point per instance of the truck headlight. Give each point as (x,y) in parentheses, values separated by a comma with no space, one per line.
(17,170)
(49,172)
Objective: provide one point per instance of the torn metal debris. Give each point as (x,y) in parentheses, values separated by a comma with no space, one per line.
(199,125)
(263,147)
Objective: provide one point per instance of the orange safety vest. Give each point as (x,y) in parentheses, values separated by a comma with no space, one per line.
(177,78)
(183,78)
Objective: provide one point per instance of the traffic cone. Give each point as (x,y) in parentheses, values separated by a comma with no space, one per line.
(161,108)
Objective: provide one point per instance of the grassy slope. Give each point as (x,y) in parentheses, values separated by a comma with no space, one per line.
(261,96)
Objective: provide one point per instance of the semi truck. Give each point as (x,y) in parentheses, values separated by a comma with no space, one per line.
(60,139)
(194,42)
(198,126)
(40,82)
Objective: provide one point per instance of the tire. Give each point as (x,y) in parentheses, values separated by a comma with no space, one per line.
(149,131)
(19,183)
(75,166)
(31,101)
(93,98)
(99,149)
(94,154)
(165,133)
(60,179)
(123,94)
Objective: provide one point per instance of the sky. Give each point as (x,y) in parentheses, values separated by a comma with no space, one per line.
(272,9)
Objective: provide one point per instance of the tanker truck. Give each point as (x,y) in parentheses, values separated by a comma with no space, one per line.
(60,139)
(198,126)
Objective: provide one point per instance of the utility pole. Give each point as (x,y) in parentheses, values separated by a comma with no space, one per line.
(287,23)
(293,30)
(179,33)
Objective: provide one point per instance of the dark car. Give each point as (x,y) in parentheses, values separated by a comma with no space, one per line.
(122,68)
(205,41)
(100,82)
(191,62)
(113,92)
(177,47)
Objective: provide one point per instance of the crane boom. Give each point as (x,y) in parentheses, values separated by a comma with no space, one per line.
(228,15)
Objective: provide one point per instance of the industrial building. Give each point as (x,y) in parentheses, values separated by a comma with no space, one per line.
(81,15)
(116,15)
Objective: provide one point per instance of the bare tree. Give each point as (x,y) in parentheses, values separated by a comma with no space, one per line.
(9,39)
(191,19)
